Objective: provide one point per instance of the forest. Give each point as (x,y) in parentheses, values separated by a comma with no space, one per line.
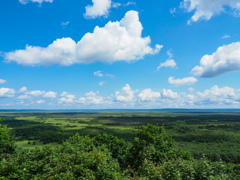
(120,145)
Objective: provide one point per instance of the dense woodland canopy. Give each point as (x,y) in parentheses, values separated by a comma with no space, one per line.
(151,155)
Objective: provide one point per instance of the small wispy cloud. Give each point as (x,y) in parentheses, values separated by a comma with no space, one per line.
(37,1)
(64,24)
(100,74)
(173,11)
(226,36)
(130,3)
(181,82)
(2,81)
(102,83)
(116,5)
(169,62)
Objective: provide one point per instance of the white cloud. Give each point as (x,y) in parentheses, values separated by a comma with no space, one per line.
(35,93)
(216,95)
(205,9)
(102,83)
(173,11)
(99,8)
(2,81)
(116,5)
(22,90)
(62,51)
(82,100)
(148,95)
(64,24)
(50,95)
(40,102)
(226,36)
(191,90)
(126,94)
(100,74)
(109,75)
(7,92)
(225,59)
(116,41)
(22,97)
(66,98)
(169,94)
(37,1)
(91,93)
(169,63)
(181,82)
(130,3)
(91,98)
(170,54)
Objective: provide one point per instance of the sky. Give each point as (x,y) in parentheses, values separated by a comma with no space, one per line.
(105,54)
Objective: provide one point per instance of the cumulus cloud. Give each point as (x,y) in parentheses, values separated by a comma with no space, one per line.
(2,81)
(148,95)
(169,94)
(37,1)
(35,93)
(66,98)
(225,59)
(169,63)
(91,98)
(116,41)
(7,92)
(22,90)
(181,82)
(216,95)
(191,90)
(126,94)
(205,9)
(23,97)
(62,51)
(50,95)
(99,8)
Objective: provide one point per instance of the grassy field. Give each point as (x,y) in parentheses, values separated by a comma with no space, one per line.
(215,134)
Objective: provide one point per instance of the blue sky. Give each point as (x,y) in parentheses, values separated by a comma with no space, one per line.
(103,54)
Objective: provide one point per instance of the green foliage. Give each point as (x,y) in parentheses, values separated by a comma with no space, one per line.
(75,158)
(188,169)
(7,145)
(154,144)
(214,134)
(118,147)
(105,157)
